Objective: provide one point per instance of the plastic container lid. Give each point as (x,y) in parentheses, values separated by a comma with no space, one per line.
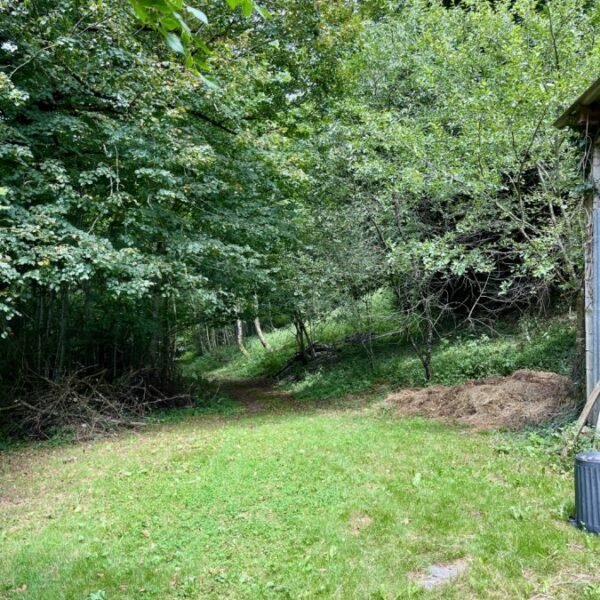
(588,457)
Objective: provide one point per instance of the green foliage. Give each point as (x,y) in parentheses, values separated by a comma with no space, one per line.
(442,157)
(454,362)
(547,345)
(227,362)
(151,211)
(178,23)
(340,149)
(347,148)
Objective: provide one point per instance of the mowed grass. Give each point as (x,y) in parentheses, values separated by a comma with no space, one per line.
(333,503)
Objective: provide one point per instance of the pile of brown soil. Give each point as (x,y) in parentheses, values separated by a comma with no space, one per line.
(524,398)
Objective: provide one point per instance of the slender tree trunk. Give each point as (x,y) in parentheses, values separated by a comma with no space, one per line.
(299,335)
(424,355)
(208,344)
(62,333)
(428,343)
(239,329)
(168,353)
(309,343)
(260,334)
(40,328)
(427,357)
(87,320)
(115,355)
(48,330)
(154,342)
(240,336)
(302,338)
(257,326)
(173,328)
(424,349)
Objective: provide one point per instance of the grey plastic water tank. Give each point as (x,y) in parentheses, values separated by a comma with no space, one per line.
(587,491)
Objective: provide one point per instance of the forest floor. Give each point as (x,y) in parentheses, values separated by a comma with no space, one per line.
(279,498)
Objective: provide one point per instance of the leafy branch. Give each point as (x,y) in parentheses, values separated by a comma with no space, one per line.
(179,23)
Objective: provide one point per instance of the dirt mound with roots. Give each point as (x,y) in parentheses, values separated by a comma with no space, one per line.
(524,398)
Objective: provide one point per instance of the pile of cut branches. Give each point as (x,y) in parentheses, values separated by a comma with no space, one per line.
(87,404)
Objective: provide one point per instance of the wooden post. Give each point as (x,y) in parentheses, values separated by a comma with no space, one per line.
(592,283)
(588,294)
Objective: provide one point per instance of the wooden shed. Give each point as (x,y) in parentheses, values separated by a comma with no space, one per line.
(584,116)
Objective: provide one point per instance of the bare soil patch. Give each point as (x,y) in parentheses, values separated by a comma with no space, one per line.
(437,575)
(358,522)
(523,398)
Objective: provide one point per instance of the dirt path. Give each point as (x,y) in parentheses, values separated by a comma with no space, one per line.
(259,395)
(525,398)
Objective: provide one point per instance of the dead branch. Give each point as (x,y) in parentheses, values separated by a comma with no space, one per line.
(88,403)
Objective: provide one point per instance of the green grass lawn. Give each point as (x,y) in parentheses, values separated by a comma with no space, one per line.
(335,503)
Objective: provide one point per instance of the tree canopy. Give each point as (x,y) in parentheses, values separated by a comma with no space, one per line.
(166,166)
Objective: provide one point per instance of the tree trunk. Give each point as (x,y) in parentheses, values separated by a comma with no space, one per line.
(257,326)
(64,321)
(260,334)
(299,334)
(428,345)
(302,338)
(425,353)
(40,329)
(154,342)
(240,336)
(424,356)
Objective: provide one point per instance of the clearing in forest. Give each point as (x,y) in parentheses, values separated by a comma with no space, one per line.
(282,501)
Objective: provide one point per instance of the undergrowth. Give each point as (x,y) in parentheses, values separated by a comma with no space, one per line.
(391,362)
